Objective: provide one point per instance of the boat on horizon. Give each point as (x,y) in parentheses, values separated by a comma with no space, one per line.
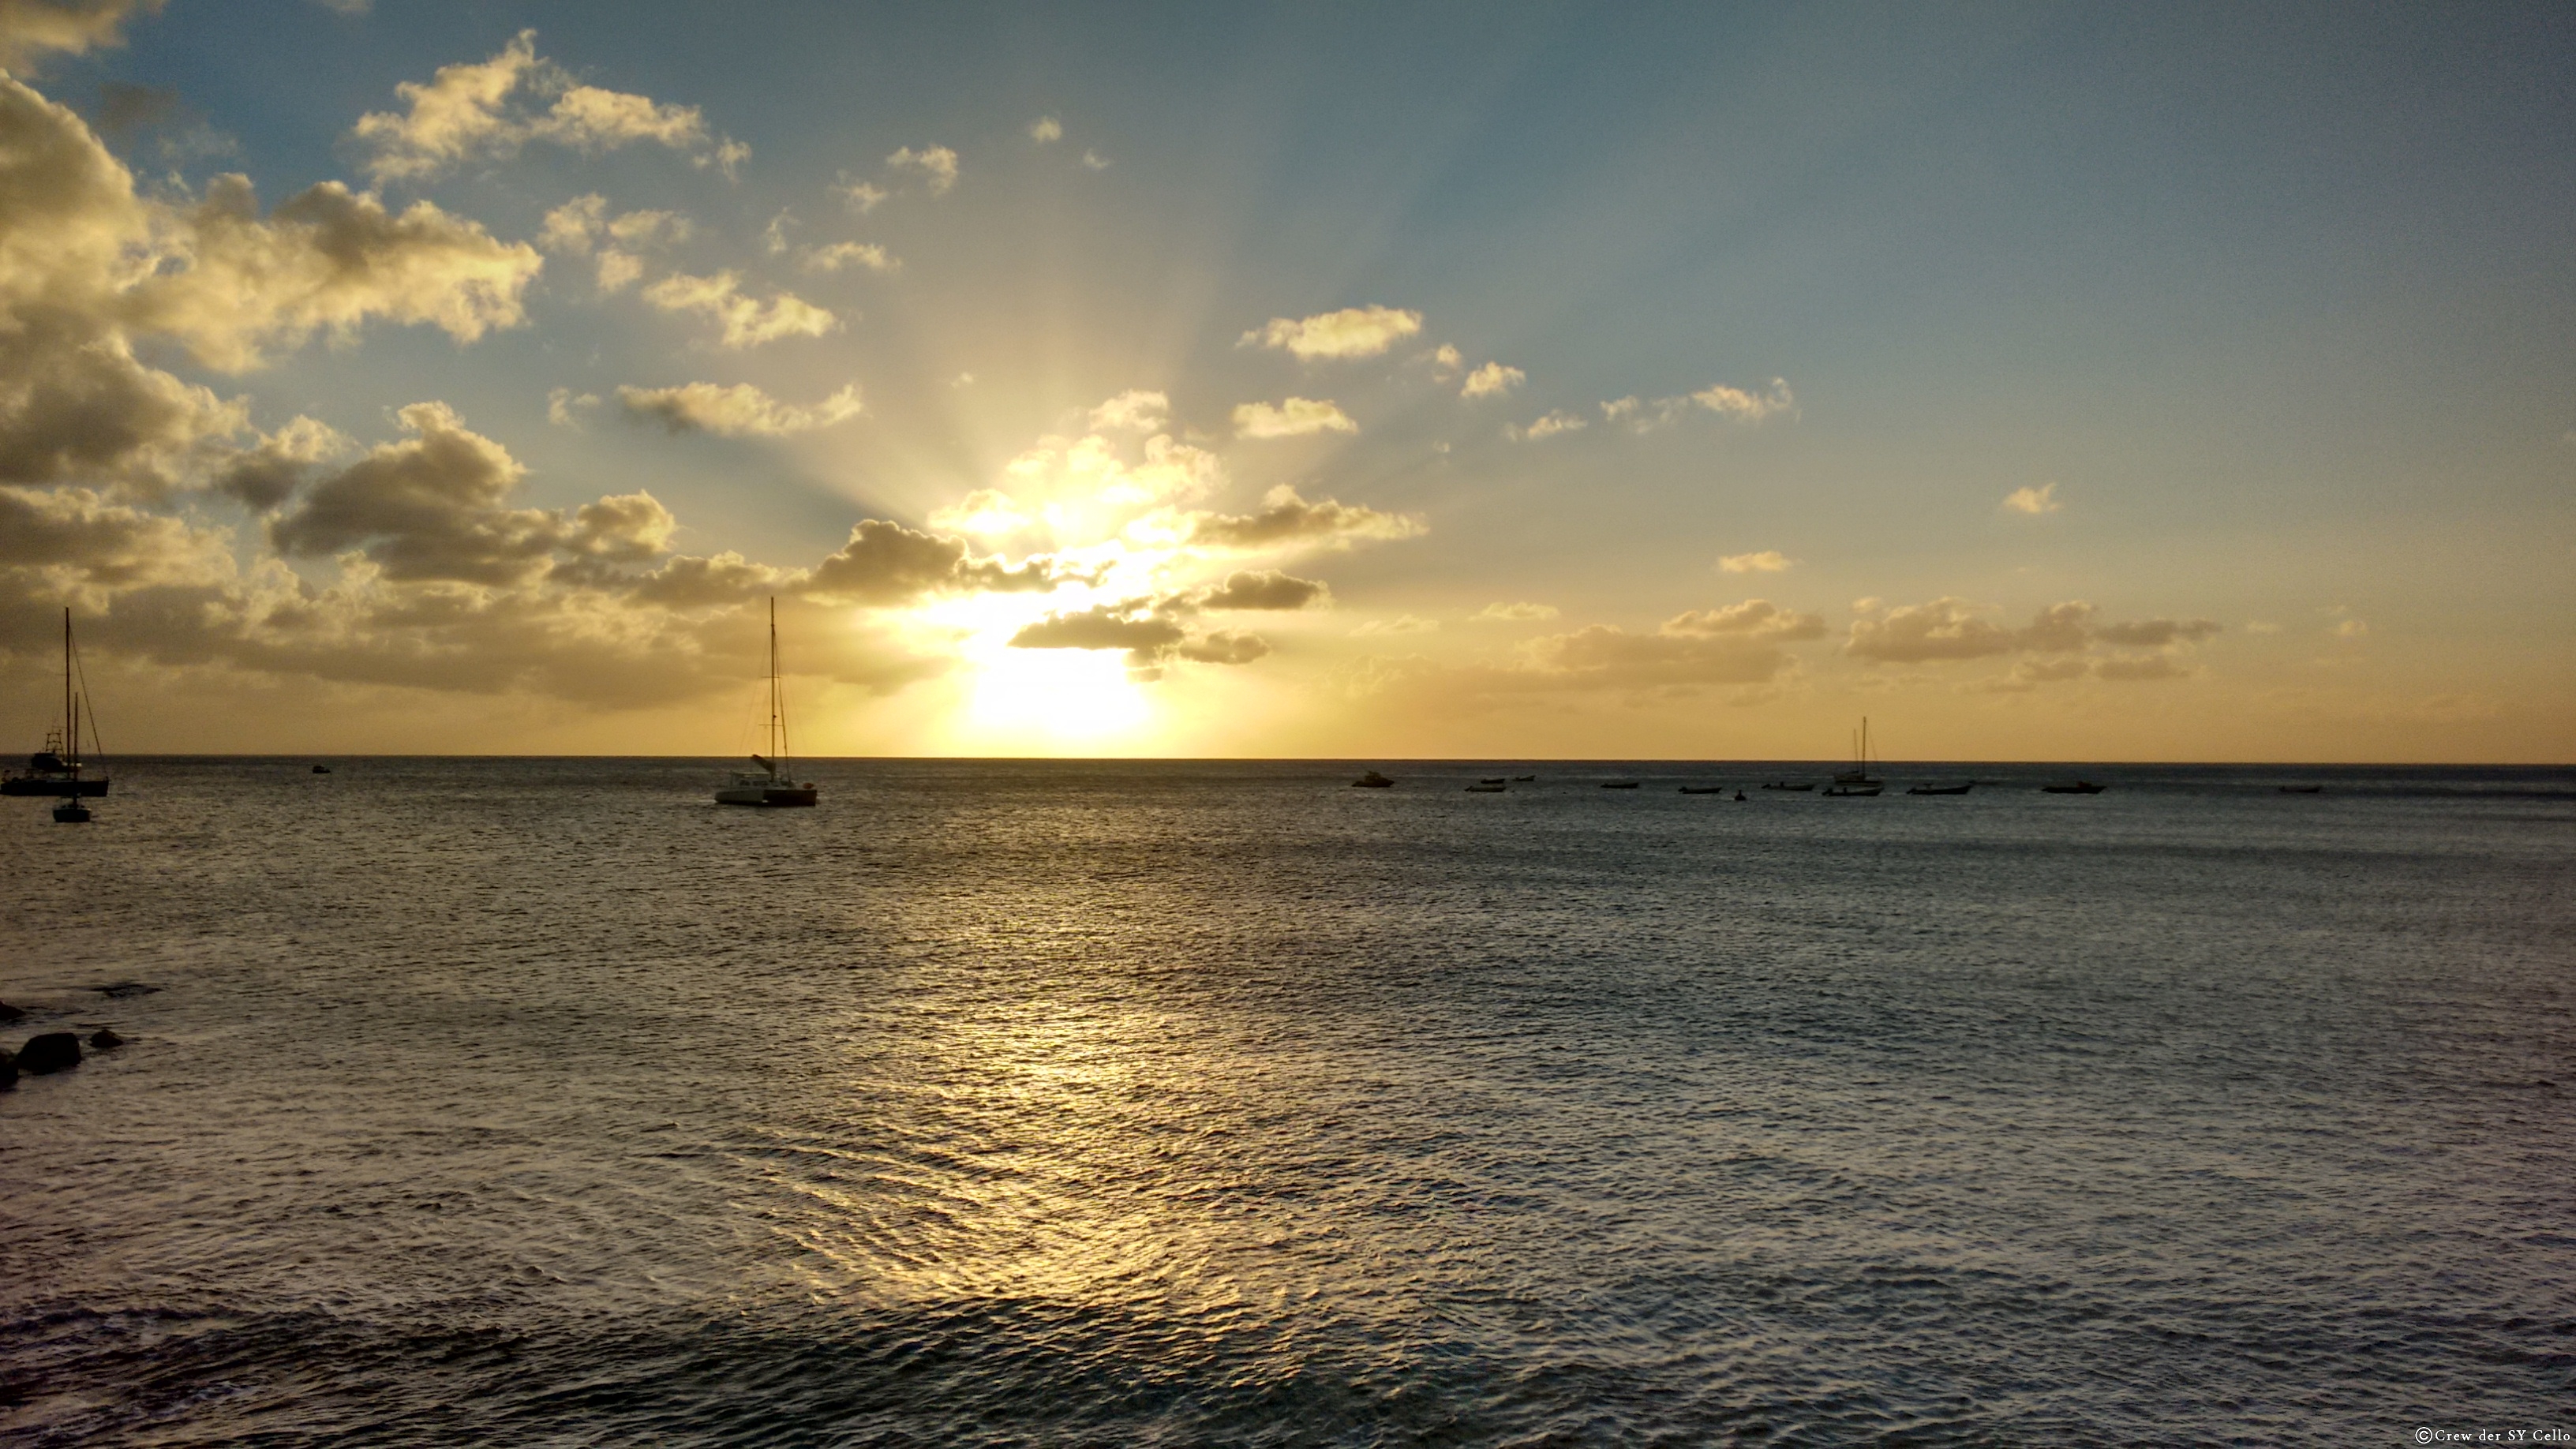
(1371,780)
(56,769)
(1705,790)
(1928,789)
(1487,787)
(1789,785)
(2073,787)
(1619,784)
(774,784)
(2303,789)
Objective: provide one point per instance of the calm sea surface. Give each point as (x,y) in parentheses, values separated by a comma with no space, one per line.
(544,1102)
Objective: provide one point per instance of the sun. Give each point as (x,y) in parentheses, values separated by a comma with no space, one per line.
(1035,701)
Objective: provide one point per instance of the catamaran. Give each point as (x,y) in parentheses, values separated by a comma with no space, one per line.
(56,769)
(774,783)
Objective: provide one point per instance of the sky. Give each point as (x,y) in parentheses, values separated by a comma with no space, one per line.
(1360,381)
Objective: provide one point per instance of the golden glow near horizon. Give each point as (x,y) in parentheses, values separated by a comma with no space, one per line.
(1202,420)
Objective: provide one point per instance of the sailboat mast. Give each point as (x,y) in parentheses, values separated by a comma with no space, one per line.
(71,726)
(777,687)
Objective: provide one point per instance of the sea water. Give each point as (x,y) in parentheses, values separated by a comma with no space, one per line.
(545,1102)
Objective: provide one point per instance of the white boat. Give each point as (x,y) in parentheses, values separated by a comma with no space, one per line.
(773,783)
(1857,781)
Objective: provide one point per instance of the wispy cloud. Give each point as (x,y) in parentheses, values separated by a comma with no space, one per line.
(1046,129)
(2034,501)
(1492,380)
(1768,561)
(747,321)
(739,411)
(1539,429)
(1297,417)
(937,165)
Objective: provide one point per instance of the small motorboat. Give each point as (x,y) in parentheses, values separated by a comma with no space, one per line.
(1486,787)
(1787,785)
(2073,787)
(1526,779)
(2303,789)
(1941,789)
(71,812)
(1618,784)
(1491,780)
(1854,791)
(1703,789)
(1371,780)
(321,769)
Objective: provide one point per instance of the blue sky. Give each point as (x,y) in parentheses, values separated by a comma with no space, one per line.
(2265,313)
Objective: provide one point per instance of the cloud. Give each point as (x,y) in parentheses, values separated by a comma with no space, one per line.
(1400,624)
(1351,332)
(1297,417)
(1133,411)
(1768,561)
(886,564)
(29,28)
(739,411)
(839,255)
(1549,426)
(2042,499)
(428,507)
(561,406)
(1046,129)
(1263,589)
(861,196)
(1492,380)
(937,165)
(1149,638)
(1752,619)
(1515,613)
(72,543)
(2351,629)
(266,475)
(1444,360)
(1641,415)
(1286,520)
(1602,655)
(1094,161)
(1949,629)
(582,224)
(1748,407)
(466,112)
(747,321)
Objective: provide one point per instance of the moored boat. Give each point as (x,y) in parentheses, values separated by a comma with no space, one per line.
(2073,787)
(774,784)
(56,769)
(1371,780)
(1941,789)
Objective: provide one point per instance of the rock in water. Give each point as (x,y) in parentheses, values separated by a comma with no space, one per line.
(106,1039)
(12,1013)
(52,1052)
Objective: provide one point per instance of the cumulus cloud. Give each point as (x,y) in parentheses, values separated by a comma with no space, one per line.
(1444,359)
(739,411)
(1288,521)
(1768,561)
(1094,161)
(1752,619)
(1295,418)
(265,475)
(1046,129)
(88,267)
(583,226)
(1499,613)
(1263,589)
(73,543)
(840,255)
(1351,332)
(564,407)
(30,28)
(936,165)
(747,321)
(2042,499)
(491,108)
(860,196)
(886,564)
(1552,425)
(1645,415)
(1149,637)
(1133,411)
(427,507)
(1492,380)
(1950,629)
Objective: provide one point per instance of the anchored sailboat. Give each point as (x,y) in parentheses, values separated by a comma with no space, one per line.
(56,769)
(774,783)
(1857,780)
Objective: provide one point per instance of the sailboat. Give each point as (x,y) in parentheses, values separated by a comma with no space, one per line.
(773,783)
(56,769)
(1857,780)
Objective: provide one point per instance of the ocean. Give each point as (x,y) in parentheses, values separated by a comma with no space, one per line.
(544,1102)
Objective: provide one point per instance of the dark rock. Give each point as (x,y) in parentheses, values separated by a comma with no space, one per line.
(105,1039)
(12,1013)
(52,1052)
